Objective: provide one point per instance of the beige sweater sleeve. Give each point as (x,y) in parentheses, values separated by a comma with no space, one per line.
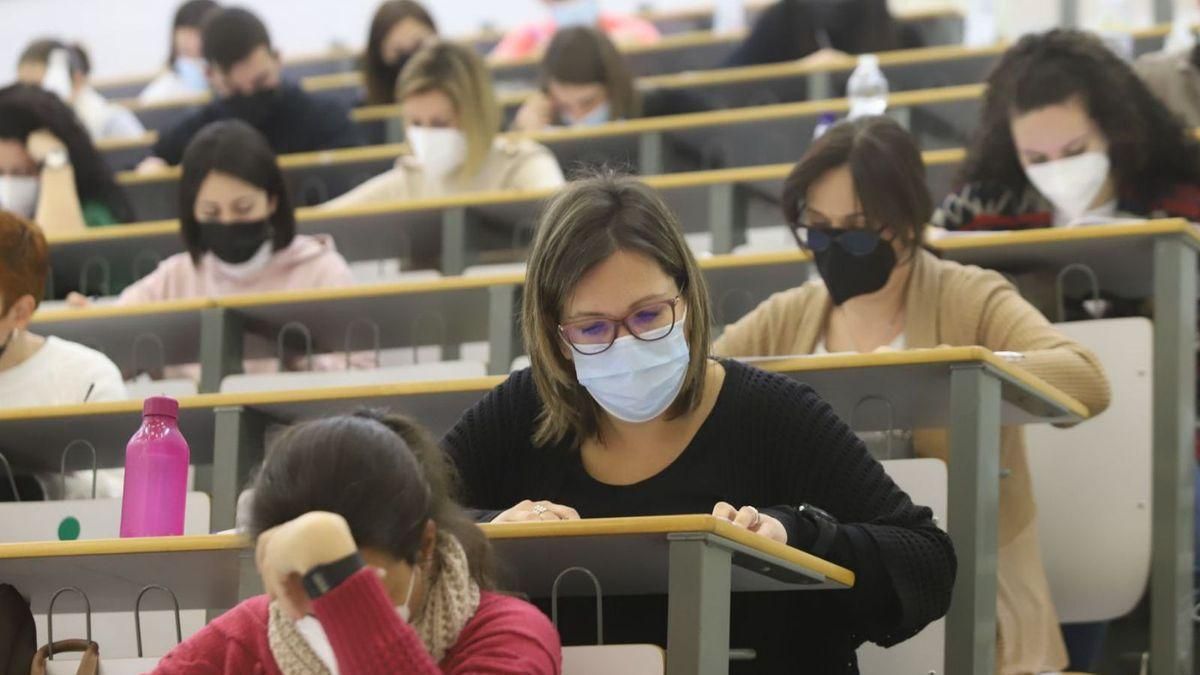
(1008,323)
(769,330)
(536,170)
(391,185)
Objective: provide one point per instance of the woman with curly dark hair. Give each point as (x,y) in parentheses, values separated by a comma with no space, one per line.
(1071,136)
(49,169)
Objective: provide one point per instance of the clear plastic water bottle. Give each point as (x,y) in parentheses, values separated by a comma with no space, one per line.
(1182,37)
(57,78)
(729,16)
(868,88)
(156,473)
(1114,26)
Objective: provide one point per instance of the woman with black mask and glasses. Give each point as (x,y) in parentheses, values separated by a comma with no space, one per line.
(858,203)
(624,413)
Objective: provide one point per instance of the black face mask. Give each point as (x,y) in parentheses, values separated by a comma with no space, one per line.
(848,276)
(235,243)
(4,347)
(255,109)
(391,71)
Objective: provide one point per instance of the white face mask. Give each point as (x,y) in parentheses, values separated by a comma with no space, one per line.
(599,115)
(440,151)
(314,634)
(57,79)
(1071,183)
(243,271)
(19,194)
(635,380)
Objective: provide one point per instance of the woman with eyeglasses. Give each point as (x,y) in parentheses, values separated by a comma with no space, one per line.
(625,413)
(859,205)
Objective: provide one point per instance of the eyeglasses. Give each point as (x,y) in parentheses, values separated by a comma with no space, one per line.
(857,241)
(595,335)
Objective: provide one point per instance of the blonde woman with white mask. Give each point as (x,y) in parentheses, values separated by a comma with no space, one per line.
(1070,136)
(451,122)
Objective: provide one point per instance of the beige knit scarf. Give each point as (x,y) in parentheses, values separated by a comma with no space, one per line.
(450,601)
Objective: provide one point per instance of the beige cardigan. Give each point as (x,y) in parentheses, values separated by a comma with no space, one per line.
(952,304)
(1173,78)
(513,164)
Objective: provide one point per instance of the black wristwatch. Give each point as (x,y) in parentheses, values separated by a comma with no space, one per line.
(826,528)
(324,578)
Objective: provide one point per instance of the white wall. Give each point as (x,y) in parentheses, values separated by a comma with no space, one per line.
(129,37)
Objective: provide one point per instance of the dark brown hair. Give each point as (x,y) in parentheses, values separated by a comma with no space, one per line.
(584,224)
(231,34)
(888,171)
(190,14)
(1150,149)
(584,55)
(237,149)
(25,108)
(381,472)
(379,76)
(24,260)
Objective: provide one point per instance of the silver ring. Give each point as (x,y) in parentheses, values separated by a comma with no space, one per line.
(540,509)
(757,518)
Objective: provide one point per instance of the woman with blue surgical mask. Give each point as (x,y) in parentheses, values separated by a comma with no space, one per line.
(368,566)
(186,72)
(587,82)
(624,413)
(451,126)
(1070,136)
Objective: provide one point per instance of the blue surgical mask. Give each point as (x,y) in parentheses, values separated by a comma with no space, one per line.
(191,73)
(599,115)
(635,380)
(575,13)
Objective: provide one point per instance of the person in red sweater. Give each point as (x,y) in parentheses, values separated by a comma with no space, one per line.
(369,566)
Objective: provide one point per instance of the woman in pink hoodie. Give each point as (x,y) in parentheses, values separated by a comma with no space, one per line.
(239,229)
(238,226)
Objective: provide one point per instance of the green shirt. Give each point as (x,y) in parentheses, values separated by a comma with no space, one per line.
(97,214)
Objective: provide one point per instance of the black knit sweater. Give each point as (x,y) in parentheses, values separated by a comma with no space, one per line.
(769,442)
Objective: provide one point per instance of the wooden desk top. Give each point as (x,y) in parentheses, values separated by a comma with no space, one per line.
(202,570)
(662,525)
(1046,399)
(1058,235)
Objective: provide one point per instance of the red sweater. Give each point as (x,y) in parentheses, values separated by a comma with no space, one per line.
(506,636)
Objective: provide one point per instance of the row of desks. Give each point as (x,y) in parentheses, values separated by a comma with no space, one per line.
(697,561)
(967,389)
(972,389)
(906,70)
(940,118)
(452,233)
(722,88)
(686,47)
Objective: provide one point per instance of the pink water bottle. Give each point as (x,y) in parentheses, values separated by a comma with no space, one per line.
(156,473)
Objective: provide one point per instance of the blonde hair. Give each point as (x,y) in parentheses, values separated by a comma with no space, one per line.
(584,224)
(460,74)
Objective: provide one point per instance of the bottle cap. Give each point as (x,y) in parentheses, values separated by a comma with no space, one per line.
(161,405)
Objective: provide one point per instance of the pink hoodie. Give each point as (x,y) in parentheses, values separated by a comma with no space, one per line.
(529,39)
(309,262)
